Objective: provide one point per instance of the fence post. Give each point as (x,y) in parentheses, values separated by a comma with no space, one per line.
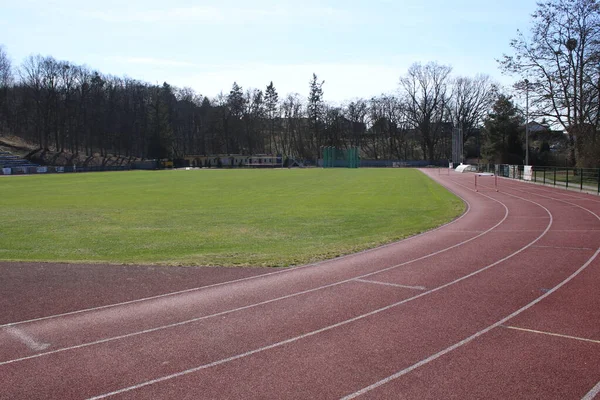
(534,174)
(598,180)
(567,186)
(581,179)
(544,175)
(554,176)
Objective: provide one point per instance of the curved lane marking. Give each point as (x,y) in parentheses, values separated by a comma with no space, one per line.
(592,393)
(289,269)
(330,327)
(483,331)
(596,389)
(192,320)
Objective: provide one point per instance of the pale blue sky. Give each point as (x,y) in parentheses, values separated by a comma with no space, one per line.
(360,48)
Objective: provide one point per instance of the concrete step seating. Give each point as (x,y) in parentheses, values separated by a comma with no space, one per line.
(9,160)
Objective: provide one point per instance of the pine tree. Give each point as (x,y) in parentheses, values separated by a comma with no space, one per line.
(316,112)
(272,110)
(502,130)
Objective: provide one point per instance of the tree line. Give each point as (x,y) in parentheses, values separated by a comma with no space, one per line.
(71,108)
(67,107)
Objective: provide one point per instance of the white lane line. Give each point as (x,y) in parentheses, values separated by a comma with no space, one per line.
(551,334)
(114,338)
(465,231)
(289,269)
(554,230)
(392,284)
(564,248)
(470,338)
(592,393)
(26,339)
(339,324)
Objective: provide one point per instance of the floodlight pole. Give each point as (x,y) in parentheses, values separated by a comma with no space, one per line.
(526,122)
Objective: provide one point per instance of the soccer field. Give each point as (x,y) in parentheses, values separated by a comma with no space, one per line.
(216,217)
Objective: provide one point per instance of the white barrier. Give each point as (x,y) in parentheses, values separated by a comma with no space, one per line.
(527,173)
(466,168)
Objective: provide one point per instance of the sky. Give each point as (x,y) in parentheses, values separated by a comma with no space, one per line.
(359,48)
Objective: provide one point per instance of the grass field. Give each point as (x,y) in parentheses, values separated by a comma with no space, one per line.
(216,217)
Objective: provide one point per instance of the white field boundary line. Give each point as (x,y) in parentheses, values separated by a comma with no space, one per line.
(330,327)
(391,284)
(176,324)
(516,328)
(563,248)
(592,393)
(289,269)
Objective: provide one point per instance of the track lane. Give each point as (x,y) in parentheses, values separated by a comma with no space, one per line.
(237,324)
(444,307)
(573,368)
(142,317)
(386,254)
(345,341)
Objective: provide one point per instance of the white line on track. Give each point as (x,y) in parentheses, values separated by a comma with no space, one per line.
(516,328)
(391,284)
(470,338)
(339,324)
(405,371)
(592,393)
(146,331)
(564,248)
(26,339)
(289,269)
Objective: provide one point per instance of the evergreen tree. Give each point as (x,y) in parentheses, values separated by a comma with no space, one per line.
(502,131)
(161,141)
(272,110)
(316,113)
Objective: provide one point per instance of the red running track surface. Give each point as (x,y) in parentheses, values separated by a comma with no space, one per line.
(501,303)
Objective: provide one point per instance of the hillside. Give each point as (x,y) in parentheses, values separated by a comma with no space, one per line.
(33,153)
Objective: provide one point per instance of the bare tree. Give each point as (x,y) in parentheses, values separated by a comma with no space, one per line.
(472,99)
(357,112)
(32,78)
(427,94)
(560,62)
(6,81)
(6,75)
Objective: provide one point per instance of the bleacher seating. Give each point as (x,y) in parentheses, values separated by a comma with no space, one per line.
(9,160)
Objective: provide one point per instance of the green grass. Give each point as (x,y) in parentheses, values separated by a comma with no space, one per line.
(216,217)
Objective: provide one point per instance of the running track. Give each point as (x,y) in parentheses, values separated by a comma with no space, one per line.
(502,303)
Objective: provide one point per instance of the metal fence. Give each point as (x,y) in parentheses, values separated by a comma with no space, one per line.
(583,179)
